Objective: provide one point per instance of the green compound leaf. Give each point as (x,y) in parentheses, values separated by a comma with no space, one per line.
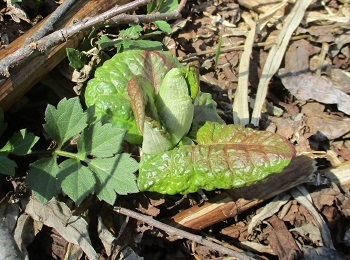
(128,44)
(226,157)
(107,91)
(101,140)
(162,6)
(42,178)
(7,166)
(66,121)
(20,143)
(76,180)
(114,175)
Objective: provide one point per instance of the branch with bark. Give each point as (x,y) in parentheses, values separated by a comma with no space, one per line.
(181,233)
(111,17)
(22,67)
(38,47)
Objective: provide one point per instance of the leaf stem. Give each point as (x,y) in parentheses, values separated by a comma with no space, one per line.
(75,156)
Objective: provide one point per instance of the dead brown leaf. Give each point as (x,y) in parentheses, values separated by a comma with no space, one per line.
(16,12)
(282,241)
(308,86)
(327,128)
(297,56)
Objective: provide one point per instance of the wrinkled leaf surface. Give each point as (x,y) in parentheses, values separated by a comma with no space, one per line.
(225,157)
(107,91)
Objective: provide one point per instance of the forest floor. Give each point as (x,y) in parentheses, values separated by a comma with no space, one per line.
(307,102)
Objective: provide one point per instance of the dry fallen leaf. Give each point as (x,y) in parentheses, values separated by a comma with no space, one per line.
(281,240)
(297,56)
(324,128)
(308,86)
(16,12)
(56,214)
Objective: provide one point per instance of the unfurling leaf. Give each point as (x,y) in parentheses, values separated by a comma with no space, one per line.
(141,93)
(155,138)
(107,91)
(174,105)
(225,157)
(205,109)
(66,121)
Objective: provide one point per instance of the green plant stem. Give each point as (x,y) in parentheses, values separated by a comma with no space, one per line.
(40,152)
(71,155)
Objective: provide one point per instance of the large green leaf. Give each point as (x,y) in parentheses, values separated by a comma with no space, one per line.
(107,91)
(225,157)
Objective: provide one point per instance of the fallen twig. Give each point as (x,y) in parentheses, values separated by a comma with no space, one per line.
(178,232)
(212,52)
(276,55)
(125,18)
(47,27)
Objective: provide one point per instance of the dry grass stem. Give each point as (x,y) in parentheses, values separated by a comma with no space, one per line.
(276,55)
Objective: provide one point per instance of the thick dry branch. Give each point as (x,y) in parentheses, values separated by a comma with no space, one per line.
(37,48)
(24,76)
(180,233)
(231,203)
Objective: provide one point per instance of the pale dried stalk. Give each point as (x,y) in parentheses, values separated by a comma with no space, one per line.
(276,55)
(301,194)
(240,103)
